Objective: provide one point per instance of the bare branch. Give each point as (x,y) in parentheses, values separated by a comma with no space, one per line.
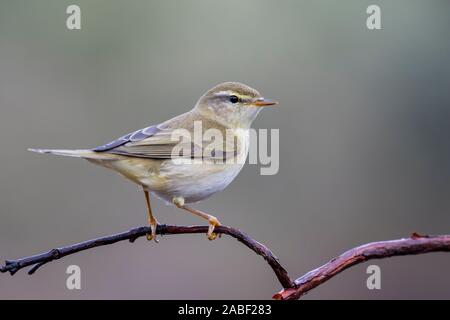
(416,244)
(36,261)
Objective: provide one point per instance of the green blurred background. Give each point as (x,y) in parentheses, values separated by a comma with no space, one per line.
(364,123)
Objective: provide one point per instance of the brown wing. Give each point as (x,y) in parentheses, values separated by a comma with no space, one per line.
(157,142)
(130,137)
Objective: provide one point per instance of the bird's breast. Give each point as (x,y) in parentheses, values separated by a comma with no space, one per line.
(197,181)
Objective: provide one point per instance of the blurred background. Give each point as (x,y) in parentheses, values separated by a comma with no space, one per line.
(364,123)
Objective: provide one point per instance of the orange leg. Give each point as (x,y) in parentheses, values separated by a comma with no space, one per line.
(213,221)
(151,219)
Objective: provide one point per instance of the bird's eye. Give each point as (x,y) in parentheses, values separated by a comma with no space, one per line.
(234,99)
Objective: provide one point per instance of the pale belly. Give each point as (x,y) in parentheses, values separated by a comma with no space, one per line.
(195,182)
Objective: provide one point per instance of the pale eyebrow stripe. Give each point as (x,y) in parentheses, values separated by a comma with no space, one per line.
(226,94)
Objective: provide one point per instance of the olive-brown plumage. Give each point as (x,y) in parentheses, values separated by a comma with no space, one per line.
(146,156)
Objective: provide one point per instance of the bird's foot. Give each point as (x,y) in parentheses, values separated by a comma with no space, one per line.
(152,236)
(213,222)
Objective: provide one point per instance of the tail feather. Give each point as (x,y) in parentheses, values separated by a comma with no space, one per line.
(81,153)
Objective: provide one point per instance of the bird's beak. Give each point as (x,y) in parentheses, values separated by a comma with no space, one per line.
(262,102)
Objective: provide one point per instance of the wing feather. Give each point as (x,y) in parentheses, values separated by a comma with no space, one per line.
(157,142)
(130,137)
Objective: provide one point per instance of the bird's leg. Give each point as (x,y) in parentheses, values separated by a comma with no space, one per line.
(213,221)
(151,219)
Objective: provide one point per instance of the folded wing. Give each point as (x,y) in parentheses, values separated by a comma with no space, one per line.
(158,142)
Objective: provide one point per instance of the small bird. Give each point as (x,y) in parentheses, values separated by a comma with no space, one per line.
(146,157)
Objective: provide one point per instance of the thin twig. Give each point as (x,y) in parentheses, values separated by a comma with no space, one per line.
(416,244)
(36,261)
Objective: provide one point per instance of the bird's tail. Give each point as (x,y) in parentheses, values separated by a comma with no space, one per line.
(81,153)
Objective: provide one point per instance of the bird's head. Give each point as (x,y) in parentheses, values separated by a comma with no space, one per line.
(233,104)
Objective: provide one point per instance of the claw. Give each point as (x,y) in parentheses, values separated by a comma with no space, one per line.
(212,224)
(152,236)
(212,236)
